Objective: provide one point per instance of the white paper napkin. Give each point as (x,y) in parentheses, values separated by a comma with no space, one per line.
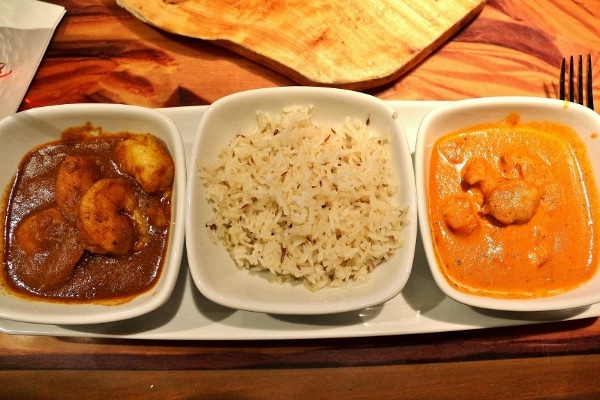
(26,27)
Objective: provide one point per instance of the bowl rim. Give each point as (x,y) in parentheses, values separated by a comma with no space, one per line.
(279,95)
(516,103)
(48,312)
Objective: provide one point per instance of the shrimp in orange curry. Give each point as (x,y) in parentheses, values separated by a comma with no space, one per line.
(514,209)
(87,217)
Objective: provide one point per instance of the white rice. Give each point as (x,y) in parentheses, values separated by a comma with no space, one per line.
(305,201)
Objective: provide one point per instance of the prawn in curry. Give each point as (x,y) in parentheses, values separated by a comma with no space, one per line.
(514,209)
(87,217)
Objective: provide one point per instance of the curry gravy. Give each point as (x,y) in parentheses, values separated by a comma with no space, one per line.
(96,277)
(541,245)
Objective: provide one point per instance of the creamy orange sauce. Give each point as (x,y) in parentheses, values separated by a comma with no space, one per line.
(514,209)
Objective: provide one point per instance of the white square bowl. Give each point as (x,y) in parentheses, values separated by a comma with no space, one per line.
(461,114)
(23,131)
(214,271)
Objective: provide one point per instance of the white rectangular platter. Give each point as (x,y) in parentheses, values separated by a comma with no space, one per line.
(420,308)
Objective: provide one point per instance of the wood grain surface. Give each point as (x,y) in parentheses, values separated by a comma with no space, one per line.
(101,53)
(569,377)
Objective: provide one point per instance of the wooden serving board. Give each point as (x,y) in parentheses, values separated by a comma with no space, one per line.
(356,44)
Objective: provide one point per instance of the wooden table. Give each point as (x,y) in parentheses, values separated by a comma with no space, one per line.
(100,53)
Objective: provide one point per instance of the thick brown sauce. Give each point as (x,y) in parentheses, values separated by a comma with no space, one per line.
(98,278)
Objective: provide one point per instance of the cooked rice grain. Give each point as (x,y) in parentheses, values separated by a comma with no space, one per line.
(304,201)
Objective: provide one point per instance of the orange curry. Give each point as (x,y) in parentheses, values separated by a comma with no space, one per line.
(513,207)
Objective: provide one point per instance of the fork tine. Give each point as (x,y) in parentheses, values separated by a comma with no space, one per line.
(589,88)
(571,81)
(580,80)
(561,80)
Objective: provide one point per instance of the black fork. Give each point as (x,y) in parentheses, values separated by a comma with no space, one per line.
(580,92)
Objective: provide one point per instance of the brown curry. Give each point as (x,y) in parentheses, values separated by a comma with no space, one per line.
(87,217)
(514,209)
